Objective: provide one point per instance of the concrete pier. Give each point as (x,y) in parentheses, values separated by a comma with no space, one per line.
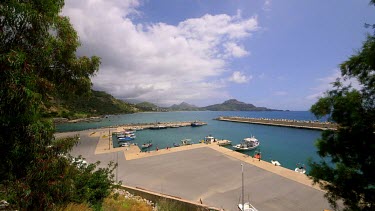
(204,172)
(313,125)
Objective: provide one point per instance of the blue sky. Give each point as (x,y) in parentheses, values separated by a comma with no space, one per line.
(277,54)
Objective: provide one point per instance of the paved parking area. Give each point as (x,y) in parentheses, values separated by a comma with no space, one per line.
(207,174)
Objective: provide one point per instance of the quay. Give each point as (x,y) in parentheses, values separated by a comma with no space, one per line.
(204,173)
(313,125)
(157,125)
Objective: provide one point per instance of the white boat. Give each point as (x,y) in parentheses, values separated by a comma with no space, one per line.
(245,206)
(300,169)
(146,145)
(224,142)
(275,162)
(186,141)
(247,144)
(210,140)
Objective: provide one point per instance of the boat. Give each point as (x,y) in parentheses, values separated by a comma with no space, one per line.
(146,145)
(158,127)
(176,145)
(210,140)
(247,144)
(224,142)
(275,162)
(186,141)
(127,138)
(124,144)
(197,124)
(245,206)
(300,168)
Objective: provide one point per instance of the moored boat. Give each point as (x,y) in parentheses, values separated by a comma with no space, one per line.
(275,162)
(197,124)
(186,141)
(300,168)
(247,144)
(146,145)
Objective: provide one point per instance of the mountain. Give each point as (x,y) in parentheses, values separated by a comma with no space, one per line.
(147,106)
(96,104)
(235,105)
(183,107)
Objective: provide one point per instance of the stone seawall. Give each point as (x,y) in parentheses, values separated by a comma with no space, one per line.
(314,125)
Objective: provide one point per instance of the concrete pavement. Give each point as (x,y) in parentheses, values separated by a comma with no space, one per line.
(207,172)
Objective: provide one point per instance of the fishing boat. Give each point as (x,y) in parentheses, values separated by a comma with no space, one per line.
(127,138)
(197,124)
(300,168)
(186,141)
(224,142)
(275,162)
(247,144)
(245,206)
(146,145)
(210,140)
(176,145)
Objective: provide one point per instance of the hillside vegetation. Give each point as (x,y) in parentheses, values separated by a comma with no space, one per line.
(96,104)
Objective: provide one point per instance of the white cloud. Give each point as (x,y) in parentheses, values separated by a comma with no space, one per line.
(238,77)
(325,84)
(232,49)
(158,61)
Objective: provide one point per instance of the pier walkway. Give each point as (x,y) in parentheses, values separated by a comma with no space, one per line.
(313,125)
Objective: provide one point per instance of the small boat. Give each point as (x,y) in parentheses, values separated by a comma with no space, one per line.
(245,206)
(197,124)
(176,145)
(247,144)
(186,141)
(210,140)
(300,168)
(275,162)
(224,142)
(127,138)
(146,145)
(158,127)
(124,144)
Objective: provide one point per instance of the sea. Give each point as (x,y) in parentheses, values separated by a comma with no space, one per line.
(290,146)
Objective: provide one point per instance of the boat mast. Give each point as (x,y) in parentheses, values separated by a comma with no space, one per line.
(242,189)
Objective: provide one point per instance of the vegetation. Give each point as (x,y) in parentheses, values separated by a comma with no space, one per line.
(234,105)
(37,62)
(147,106)
(96,104)
(351,148)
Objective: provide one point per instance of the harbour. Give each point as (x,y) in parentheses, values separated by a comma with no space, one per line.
(287,145)
(203,173)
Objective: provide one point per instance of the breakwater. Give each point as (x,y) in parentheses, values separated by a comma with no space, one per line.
(314,125)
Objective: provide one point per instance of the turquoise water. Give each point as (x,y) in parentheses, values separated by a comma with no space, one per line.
(287,145)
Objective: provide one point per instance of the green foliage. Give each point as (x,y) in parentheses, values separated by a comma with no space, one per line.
(350,175)
(37,61)
(147,106)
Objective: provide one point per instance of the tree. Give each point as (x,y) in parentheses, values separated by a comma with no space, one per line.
(38,61)
(347,172)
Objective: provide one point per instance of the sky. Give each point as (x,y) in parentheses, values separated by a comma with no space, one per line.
(280,54)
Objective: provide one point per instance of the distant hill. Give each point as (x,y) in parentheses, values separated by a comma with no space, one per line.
(96,104)
(235,105)
(183,107)
(147,106)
